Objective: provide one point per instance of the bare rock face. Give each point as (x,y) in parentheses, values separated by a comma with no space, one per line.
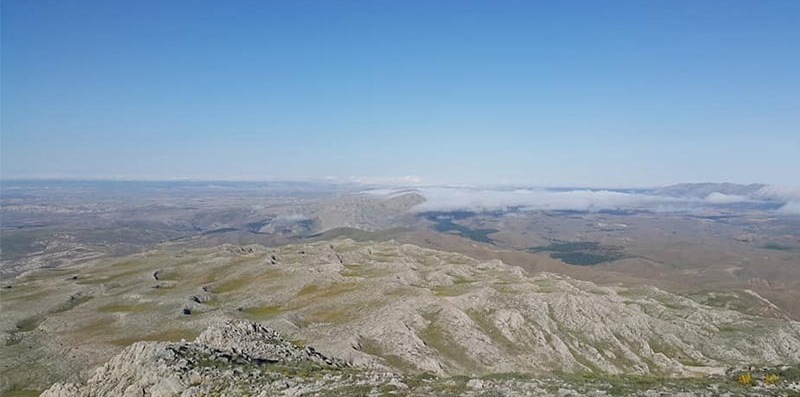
(259,343)
(143,366)
(237,358)
(218,359)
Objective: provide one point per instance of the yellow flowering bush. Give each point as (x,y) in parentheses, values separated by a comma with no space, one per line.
(772,379)
(746,379)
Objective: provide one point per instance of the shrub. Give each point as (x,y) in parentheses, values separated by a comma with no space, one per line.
(772,379)
(746,379)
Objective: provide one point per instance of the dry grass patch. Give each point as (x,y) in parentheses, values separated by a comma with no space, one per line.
(243,281)
(359,270)
(173,335)
(262,312)
(23,393)
(124,308)
(332,315)
(437,337)
(374,348)
(330,291)
(232,285)
(459,286)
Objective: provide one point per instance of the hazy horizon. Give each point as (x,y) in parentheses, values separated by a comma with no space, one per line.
(389,182)
(621,94)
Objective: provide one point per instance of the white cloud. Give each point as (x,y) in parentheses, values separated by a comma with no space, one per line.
(778,193)
(408,180)
(451,199)
(792,207)
(290,218)
(789,195)
(721,198)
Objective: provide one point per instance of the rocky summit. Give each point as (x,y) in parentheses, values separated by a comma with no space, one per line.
(241,358)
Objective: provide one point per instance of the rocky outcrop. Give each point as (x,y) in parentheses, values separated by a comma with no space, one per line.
(233,355)
(260,344)
(238,358)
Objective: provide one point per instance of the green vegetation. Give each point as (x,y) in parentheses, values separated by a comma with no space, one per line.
(437,337)
(479,235)
(21,391)
(102,326)
(123,308)
(19,243)
(384,257)
(29,323)
(737,300)
(625,385)
(103,278)
(331,315)
(567,246)
(582,258)
(330,291)
(308,290)
(483,320)
(362,235)
(580,253)
(168,276)
(766,375)
(358,270)
(745,379)
(659,346)
(19,293)
(262,312)
(373,348)
(232,285)
(772,379)
(776,246)
(71,303)
(459,286)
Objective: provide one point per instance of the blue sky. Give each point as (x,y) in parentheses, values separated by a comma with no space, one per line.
(602,93)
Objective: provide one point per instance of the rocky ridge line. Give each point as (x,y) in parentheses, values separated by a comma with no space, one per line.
(237,358)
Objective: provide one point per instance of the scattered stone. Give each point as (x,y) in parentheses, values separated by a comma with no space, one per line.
(475,384)
(202,298)
(241,250)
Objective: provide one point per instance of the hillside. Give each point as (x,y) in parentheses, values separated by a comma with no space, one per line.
(386,306)
(242,358)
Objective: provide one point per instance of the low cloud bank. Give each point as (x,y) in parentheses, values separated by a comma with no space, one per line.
(290,218)
(784,200)
(721,198)
(788,195)
(792,207)
(453,199)
(779,193)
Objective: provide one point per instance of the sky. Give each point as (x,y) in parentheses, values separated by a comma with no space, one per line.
(564,93)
